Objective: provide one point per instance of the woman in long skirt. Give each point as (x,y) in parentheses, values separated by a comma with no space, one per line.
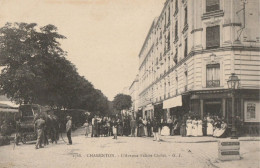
(86,125)
(183,128)
(200,133)
(145,127)
(114,128)
(195,127)
(209,126)
(189,126)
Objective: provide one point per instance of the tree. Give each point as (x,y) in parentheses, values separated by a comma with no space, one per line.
(122,102)
(36,70)
(29,58)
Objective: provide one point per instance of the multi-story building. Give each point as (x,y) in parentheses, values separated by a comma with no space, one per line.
(190,52)
(133,90)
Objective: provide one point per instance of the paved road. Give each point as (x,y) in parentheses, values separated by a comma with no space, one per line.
(126,152)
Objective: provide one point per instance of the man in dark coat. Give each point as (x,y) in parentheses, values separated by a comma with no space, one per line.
(68,129)
(149,127)
(156,126)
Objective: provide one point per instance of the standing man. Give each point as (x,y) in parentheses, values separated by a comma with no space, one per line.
(133,126)
(39,125)
(68,129)
(156,126)
(149,127)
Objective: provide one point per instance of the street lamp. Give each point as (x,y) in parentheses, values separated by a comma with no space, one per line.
(233,83)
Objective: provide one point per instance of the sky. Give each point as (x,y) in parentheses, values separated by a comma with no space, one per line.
(104,37)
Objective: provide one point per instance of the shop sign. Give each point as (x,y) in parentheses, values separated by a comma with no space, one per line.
(252,111)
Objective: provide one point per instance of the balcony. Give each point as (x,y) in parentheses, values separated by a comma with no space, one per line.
(213,83)
(212,14)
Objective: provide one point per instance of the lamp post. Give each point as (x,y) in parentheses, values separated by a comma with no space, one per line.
(233,83)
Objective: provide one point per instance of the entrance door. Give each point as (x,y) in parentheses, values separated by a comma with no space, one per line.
(213,107)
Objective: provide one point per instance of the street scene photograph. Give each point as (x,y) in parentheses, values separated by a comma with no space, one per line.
(129,83)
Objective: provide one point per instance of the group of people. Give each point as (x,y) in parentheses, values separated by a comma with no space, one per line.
(47,126)
(209,126)
(106,126)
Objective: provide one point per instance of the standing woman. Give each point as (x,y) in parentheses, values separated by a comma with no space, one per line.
(183,127)
(189,126)
(204,126)
(195,127)
(145,126)
(209,126)
(200,133)
(114,127)
(139,127)
(120,127)
(86,125)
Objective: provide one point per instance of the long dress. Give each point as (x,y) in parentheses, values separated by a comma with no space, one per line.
(183,129)
(194,128)
(200,133)
(145,127)
(189,127)
(209,127)
(86,125)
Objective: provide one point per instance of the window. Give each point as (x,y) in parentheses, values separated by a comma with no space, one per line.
(212,37)
(176,6)
(186,80)
(169,15)
(213,76)
(212,5)
(168,41)
(186,48)
(185,16)
(176,85)
(176,31)
(176,56)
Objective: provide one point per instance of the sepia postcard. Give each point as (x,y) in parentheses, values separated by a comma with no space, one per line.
(129,83)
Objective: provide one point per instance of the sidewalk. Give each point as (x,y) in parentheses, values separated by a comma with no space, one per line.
(204,139)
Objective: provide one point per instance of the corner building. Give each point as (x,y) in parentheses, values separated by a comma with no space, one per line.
(190,52)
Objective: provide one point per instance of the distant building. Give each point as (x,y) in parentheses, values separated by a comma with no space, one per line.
(134,93)
(189,53)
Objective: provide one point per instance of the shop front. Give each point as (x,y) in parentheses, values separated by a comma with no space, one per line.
(148,111)
(171,107)
(219,103)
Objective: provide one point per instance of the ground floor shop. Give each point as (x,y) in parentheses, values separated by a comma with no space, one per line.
(212,103)
(219,103)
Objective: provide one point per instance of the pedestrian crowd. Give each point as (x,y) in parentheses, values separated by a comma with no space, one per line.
(122,126)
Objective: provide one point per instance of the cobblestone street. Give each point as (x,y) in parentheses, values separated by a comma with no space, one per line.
(125,152)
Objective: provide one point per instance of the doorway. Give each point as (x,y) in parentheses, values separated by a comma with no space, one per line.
(213,107)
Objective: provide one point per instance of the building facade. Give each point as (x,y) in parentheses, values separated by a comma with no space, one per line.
(190,52)
(134,93)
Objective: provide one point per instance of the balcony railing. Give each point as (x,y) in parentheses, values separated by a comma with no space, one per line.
(213,83)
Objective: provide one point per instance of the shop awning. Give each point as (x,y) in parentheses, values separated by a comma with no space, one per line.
(172,102)
(8,110)
(9,103)
(8,107)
